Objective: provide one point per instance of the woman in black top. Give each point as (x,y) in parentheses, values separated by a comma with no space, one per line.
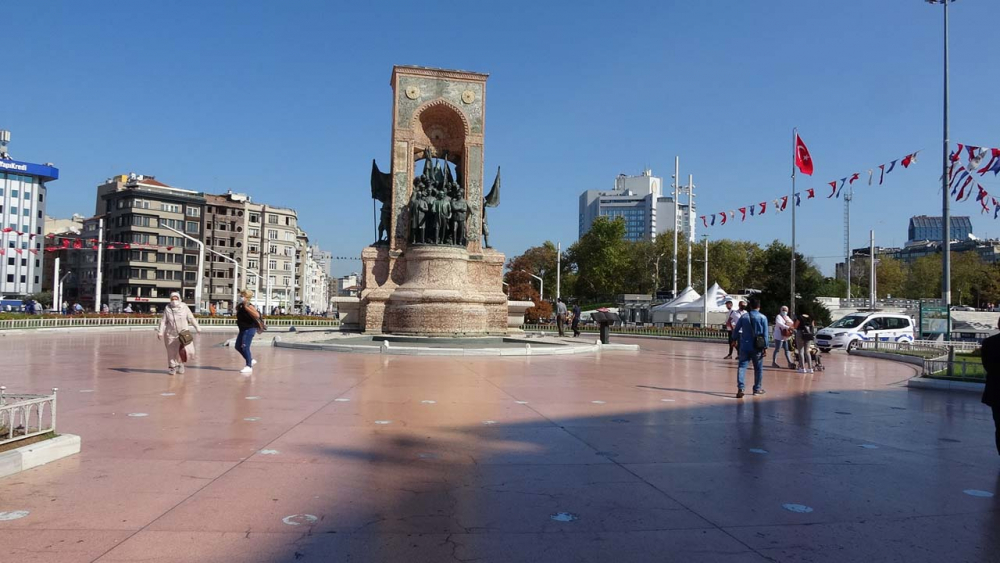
(248,321)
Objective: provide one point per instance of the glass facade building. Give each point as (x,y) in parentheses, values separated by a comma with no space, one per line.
(22,226)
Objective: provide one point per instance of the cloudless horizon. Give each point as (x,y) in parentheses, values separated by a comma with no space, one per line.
(289,102)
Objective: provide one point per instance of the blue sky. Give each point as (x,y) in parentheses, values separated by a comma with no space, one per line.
(290,101)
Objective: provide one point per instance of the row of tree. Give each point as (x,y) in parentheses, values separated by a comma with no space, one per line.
(603,264)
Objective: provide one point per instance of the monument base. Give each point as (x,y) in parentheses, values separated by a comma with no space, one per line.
(433,291)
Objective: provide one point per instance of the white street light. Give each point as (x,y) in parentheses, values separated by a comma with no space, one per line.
(201,263)
(541,285)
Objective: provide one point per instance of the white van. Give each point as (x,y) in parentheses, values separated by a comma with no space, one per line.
(849,330)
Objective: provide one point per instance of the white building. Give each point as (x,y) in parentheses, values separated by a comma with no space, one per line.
(22,220)
(643,202)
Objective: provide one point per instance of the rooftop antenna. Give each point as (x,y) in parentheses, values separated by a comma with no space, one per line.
(4,141)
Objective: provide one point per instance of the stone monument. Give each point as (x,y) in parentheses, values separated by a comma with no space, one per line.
(431,271)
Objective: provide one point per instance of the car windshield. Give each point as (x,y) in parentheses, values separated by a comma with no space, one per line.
(849,321)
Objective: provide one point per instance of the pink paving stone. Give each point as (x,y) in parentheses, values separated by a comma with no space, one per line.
(699,477)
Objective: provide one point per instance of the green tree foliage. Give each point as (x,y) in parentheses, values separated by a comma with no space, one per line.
(602,261)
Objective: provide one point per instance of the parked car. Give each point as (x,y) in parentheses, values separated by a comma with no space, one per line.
(848,331)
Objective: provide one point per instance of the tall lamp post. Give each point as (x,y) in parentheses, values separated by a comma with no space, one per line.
(541,285)
(201,263)
(945,203)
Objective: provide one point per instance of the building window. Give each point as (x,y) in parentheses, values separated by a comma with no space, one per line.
(254,218)
(272,264)
(192,212)
(271,219)
(272,234)
(192,227)
(254,232)
(272,249)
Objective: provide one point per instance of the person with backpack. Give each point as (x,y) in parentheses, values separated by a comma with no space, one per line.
(805,333)
(753,345)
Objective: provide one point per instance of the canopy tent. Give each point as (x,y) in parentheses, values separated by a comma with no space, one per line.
(693,311)
(664,312)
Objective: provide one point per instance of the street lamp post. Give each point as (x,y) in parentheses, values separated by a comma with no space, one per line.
(541,285)
(201,263)
(945,202)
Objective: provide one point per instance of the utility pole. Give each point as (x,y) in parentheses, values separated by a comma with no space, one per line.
(100,255)
(847,237)
(871,280)
(677,190)
(704,318)
(945,202)
(558,270)
(690,223)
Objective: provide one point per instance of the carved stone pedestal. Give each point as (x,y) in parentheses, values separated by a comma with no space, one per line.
(433,291)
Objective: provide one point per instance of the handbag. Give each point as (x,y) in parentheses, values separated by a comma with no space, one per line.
(185,337)
(759,342)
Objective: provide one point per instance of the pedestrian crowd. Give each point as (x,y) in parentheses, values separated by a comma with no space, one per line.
(750,337)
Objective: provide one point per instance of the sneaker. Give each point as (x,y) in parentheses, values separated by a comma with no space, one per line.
(759,391)
(180,368)
(775,365)
(810,371)
(803,371)
(727,357)
(739,394)
(791,366)
(246,370)
(171,371)
(253,363)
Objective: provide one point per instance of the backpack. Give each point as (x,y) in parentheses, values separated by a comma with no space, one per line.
(807,333)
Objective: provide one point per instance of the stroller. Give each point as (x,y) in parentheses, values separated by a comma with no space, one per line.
(816,355)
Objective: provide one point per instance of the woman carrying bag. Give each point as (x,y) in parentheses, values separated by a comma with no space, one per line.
(249,321)
(175,325)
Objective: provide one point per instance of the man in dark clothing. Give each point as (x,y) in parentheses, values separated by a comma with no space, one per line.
(576,320)
(991,395)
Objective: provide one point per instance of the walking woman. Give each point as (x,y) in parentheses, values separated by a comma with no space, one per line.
(248,320)
(175,331)
(805,332)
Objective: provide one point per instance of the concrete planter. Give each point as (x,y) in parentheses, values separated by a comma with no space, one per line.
(39,453)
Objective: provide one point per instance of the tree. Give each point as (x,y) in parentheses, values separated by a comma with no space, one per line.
(601,259)
(890,275)
(923,278)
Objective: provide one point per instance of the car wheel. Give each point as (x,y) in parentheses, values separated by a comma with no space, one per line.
(852,345)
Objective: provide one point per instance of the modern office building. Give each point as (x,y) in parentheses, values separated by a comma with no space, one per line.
(22,222)
(324,258)
(642,201)
(145,260)
(923,227)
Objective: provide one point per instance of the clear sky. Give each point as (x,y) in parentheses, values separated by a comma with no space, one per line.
(290,101)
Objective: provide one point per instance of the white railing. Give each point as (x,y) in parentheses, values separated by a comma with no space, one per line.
(668,332)
(80,322)
(23,416)
(917,346)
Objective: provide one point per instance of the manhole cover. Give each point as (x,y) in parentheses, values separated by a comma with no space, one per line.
(13,515)
(269,452)
(564,517)
(952,440)
(428,402)
(841,412)
(978,493)
(758,451)
(137,414)
(598,402)
(383,422)
(341,400)
(252,418)
(800,508)
(254,398)
(868,446)
(299,519)
(167,394)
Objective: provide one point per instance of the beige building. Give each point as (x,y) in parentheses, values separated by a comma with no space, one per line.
(278,246)
(232,229)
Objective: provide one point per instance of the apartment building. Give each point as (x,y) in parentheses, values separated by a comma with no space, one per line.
(145,258)
(277,259)
(77,261)
(232,230)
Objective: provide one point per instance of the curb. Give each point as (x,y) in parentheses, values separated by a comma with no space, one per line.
(944,385)
(527,350)
(913,360)
(33,455)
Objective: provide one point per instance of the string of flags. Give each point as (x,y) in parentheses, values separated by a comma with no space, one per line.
(804,162)
(55,243)
(962,175)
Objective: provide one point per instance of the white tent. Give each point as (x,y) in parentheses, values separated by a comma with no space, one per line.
(693,311)
(664,313)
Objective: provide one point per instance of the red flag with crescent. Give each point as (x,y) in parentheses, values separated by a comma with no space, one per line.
(803,160)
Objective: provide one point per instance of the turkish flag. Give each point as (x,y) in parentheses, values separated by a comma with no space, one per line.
(802,158)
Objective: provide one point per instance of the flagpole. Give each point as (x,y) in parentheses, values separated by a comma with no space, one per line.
(795,134)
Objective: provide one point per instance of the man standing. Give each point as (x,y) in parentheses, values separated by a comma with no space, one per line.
(991,395)
(576,320)
(561,316)
(782,332)
(734,315)
(752,331)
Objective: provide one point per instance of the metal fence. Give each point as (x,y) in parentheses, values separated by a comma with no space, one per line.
(941,367)
(79,322)
(917,346)
(699,333)
(23,416)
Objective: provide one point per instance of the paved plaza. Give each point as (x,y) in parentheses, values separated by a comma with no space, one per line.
(622,457)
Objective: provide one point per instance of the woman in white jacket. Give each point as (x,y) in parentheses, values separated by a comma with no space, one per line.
(177,318)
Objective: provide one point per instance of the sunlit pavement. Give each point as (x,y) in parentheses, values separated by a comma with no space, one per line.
(628,456)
